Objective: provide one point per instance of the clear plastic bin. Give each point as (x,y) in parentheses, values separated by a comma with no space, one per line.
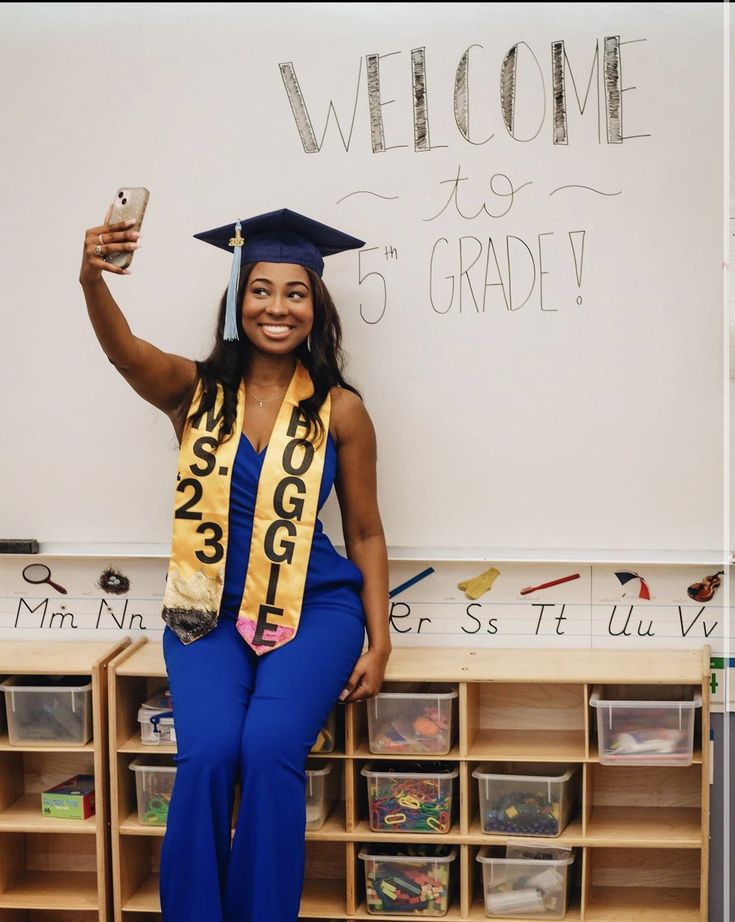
(156,720)
(325,740)
(648,731)
(408,879)
(321,791)
(154,782)
(530,887)
(412,717)
(410,796)
(526,798)
(48,709)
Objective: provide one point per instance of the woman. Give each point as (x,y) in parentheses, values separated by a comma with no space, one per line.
(264,620)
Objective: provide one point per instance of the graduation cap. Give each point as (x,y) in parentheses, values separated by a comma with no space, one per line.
(281,236)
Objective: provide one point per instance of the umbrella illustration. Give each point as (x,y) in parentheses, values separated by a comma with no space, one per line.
(625,576)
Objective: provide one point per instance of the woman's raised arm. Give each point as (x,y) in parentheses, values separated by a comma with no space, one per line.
(162,378)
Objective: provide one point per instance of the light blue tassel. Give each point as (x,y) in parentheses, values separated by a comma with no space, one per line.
(230,331)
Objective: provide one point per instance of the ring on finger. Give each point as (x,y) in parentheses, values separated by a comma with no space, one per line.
(98,251)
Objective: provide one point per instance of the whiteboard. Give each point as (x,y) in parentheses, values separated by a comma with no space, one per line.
(535,322)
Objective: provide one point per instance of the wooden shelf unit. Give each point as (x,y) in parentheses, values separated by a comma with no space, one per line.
(55,870)
(641,833)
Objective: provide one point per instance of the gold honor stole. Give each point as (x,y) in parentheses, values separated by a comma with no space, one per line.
(283,523)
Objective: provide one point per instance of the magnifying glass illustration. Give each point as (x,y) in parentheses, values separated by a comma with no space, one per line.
(37,573)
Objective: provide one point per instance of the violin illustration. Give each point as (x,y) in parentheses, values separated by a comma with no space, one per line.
(704,591)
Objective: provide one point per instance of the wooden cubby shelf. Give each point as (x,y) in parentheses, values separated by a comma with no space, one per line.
(55,870)
(640,833)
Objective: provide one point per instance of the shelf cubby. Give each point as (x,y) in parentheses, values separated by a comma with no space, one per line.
(645,805)
(533,722)
(48,870)
(324,891)
(25,774)
(647,884)
(140,861)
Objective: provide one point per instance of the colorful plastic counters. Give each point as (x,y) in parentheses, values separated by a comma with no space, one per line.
(526,798)
(410,796)
(412,879)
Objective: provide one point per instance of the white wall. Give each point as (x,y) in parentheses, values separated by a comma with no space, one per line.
(589,416)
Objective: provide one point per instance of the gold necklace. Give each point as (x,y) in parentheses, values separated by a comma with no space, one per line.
(263,402)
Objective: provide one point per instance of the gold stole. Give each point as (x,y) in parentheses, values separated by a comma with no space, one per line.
(283,523)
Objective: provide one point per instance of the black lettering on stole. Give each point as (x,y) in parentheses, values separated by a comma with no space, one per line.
(283,554)
(210,420)
(262,624)
(296,506)
(288,457)
(204,448)
(298,420)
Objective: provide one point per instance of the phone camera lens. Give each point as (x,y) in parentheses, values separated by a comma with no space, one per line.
(125,201)
(120,194)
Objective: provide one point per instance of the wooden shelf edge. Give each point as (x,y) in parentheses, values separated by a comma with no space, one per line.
(125,654)
(643,904)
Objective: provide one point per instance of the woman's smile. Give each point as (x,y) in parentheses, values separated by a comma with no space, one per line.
(275,330)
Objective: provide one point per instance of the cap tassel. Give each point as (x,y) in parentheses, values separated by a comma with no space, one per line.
(230,331)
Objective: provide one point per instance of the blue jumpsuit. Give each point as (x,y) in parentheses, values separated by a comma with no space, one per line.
(252,719)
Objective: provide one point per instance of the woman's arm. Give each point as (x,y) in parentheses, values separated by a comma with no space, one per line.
(162,378)
(356,486)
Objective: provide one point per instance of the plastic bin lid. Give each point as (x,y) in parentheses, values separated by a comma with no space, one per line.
(596,701)
(386,852)
(533,845)
(151,764)
(412,768)
(145,714)
(480,772)
(46,683)
(486,858)
(418,689)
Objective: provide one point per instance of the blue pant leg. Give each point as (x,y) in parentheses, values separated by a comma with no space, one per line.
(295,688)
(211,681)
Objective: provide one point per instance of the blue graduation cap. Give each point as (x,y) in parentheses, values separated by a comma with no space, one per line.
(281,236)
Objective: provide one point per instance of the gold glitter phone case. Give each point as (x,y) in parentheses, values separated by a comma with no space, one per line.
(129,203)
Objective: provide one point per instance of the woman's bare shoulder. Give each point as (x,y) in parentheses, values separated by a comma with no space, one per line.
(343,400)
(348,412)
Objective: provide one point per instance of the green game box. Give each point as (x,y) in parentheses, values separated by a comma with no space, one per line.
(73,799)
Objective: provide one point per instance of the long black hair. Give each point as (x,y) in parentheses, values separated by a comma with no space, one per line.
(321,354)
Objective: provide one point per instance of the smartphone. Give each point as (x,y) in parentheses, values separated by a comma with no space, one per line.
(129,203)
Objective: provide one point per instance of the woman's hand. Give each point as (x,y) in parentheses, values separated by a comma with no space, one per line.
(102,241)
(366,677)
